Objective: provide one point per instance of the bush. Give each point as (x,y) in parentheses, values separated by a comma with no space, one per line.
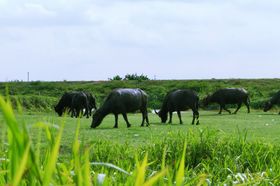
(116,78)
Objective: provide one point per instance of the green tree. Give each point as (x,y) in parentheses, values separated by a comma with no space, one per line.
(116,78)
(136,77)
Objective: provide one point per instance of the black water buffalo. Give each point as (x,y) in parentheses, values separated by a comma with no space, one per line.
(229,96)
(179,100)
(75,102)
(275,100)
(64,103)
(122,101)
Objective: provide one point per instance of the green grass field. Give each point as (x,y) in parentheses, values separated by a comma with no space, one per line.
(258,125)
(223,149)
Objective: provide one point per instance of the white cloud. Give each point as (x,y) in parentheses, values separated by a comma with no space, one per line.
(31,9)
(143,36)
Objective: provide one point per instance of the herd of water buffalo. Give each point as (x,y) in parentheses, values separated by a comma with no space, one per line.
(127,100)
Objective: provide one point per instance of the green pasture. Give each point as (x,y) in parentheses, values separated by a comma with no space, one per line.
(40,148)
(257,125)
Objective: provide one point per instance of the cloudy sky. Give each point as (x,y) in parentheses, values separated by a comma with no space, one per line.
(168,39)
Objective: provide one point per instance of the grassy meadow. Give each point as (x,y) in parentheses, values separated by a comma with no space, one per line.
(260,126)
(39,148)
(223,149)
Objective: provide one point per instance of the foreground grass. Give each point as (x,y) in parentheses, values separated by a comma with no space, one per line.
(43,149)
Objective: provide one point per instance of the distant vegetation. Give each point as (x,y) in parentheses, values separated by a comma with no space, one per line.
(42,96)
(133,77)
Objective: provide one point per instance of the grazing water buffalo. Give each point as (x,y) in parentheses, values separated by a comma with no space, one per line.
(229,96)
(80,102)
(179,100)
(122,101)
(64,103)
(275,100)
(75,102)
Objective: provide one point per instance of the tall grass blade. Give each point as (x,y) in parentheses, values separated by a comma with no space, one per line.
(10,118)
(141,170)
(155,178)
(22,167)
(76,154)
(51,162)
(163,158)
(86,170)
(181,171)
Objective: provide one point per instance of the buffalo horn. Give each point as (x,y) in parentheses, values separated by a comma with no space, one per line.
(156,111)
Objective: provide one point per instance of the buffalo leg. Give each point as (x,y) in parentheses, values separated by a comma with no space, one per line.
(179,115)
(72,112)
(193,118)
(76,112)
(238,107)
(224,107)
(145,117)
(69,111)
(248,106)
(170,117)
(221,109)
(80,113)
(126,120)
(88,112)
(116,121)
(147,120)
(197,117)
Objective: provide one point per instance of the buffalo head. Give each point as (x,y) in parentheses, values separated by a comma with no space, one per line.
(58,110)
(162,115)
(97,118)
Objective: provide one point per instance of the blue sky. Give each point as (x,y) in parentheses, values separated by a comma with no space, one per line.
(180,39)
